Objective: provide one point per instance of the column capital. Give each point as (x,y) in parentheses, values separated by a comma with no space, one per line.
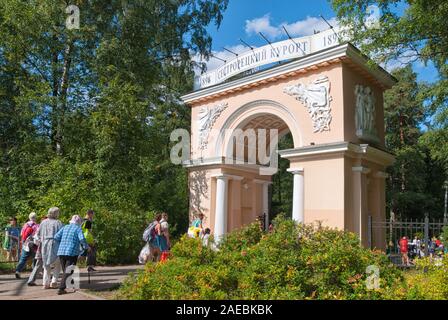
(361,169)
(258,181)
(221,177)
(381,175)
(295,170)
(227,177)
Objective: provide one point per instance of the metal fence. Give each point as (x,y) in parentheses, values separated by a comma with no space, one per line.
(425,229)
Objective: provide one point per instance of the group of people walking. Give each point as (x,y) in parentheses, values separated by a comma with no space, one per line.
(411,250)
(196,230)
(157,237)
(54,248)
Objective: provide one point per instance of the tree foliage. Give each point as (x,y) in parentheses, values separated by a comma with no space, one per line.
(416,179)
(86,115)
(416,114)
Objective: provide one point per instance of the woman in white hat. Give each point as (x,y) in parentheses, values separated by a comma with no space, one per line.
(47,230)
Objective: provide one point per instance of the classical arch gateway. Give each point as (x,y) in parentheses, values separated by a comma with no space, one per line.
(332,104)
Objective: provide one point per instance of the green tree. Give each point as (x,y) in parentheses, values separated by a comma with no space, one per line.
(282,181)
(86,115)
(416,180)
(409,31)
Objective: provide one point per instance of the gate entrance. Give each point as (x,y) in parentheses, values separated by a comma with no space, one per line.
(331,103)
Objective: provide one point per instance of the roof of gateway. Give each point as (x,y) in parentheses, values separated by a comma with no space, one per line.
(345,52)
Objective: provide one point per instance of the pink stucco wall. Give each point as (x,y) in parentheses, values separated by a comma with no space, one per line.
(330,184)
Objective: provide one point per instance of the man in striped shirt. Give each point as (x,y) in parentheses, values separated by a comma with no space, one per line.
(70,238)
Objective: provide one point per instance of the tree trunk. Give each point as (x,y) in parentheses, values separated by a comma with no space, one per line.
(63,96)
(55,92)
(403,177)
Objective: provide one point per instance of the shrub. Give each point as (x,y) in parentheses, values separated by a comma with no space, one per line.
(292,262)
(119,235)
(429,281)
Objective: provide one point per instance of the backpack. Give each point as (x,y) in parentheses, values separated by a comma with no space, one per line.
(150,232)
(87,234)
(28,242)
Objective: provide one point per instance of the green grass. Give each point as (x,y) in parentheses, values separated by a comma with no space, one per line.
(7,267)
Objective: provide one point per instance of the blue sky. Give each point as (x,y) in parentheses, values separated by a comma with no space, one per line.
(244,18)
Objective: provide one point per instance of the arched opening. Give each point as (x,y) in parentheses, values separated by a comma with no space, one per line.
(274,191)
(247,138)
(273,116)
(282,182)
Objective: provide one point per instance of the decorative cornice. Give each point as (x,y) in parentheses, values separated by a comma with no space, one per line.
(317,149)
(221,162)
(301,65)
(364,151)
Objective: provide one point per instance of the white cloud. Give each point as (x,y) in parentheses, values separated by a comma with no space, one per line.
(307,26)
(299,28)
(262,25)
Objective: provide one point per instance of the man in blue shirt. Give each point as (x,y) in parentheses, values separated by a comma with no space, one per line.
(70,238)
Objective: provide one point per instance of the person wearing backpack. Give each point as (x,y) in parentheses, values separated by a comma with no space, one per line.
(37,262)
(87,231)
(151,235)
(28,247)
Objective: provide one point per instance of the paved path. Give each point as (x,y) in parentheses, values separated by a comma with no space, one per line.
(103,280)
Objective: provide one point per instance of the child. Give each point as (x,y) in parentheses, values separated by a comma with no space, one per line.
(205,237)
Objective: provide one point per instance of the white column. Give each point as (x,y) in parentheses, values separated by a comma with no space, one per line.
(221,207)
(298,196)
(266,204)
(360,202)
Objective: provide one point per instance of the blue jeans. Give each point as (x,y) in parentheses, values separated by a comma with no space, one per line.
(24,256)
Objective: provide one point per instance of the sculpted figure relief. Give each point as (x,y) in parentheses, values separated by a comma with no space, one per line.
(365,112)
(206,118)
(316,97)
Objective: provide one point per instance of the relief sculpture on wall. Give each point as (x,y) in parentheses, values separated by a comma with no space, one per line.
(206,119)
(365,115)
(316,97)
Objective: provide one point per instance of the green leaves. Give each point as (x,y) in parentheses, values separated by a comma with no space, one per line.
(409,31)
(293,262)
(86,115)
(417,176)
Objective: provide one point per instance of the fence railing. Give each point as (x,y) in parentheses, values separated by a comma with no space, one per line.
(424,229)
